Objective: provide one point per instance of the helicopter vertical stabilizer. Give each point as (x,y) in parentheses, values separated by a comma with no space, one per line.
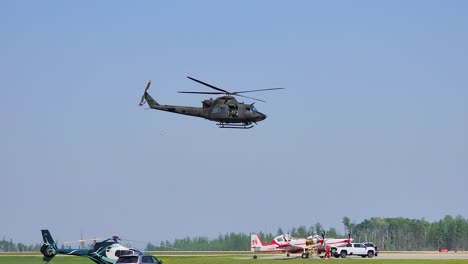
(47,237)
(151,102)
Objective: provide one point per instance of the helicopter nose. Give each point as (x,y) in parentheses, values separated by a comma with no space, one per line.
(261,117)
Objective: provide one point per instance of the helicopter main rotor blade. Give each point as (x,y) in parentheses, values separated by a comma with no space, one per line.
(201,92)
(259,90)
(209,85)
(250,98)
(81,240)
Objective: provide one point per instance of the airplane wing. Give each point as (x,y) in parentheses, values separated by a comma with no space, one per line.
(292,247)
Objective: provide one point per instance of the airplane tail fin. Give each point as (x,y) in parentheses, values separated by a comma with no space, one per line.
(49,248)
(147,98)
(255,242)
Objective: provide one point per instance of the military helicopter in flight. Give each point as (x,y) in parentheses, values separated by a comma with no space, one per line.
(226,110)
(104,252)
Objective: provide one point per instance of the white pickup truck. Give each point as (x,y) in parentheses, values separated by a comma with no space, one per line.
(353,249)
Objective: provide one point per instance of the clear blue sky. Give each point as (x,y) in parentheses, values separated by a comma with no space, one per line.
(375,115)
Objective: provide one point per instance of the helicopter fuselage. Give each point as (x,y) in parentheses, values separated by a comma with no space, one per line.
(224,109)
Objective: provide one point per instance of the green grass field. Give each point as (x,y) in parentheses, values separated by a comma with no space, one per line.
(4,259)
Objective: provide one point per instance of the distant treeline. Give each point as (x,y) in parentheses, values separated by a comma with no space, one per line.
(412,234)
(387,233)
(9,246)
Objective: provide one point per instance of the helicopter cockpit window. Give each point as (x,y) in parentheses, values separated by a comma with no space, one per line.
(280,239)
(254,109)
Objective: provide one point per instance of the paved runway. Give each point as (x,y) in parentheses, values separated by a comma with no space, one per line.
(424,255)
(391,255)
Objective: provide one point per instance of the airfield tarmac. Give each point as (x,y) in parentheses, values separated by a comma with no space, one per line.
(423,255)
(391,255)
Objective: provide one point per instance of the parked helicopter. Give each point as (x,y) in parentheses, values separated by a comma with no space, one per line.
(226,110)
(104,252)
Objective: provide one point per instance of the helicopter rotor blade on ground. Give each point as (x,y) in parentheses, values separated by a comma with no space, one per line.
(207,84)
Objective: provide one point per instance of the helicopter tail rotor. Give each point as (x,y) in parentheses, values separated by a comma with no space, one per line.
(143,99)
(146,98)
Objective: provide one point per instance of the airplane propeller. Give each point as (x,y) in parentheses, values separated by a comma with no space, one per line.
(222,91)
(323,239)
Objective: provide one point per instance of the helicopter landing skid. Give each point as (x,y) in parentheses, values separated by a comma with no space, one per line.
(236,126)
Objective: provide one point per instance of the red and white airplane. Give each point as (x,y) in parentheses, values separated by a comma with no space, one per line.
(288,244)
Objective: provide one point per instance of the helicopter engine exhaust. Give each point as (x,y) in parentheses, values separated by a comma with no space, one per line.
(48,251)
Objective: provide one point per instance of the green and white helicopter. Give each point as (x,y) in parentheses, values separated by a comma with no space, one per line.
(104,252)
